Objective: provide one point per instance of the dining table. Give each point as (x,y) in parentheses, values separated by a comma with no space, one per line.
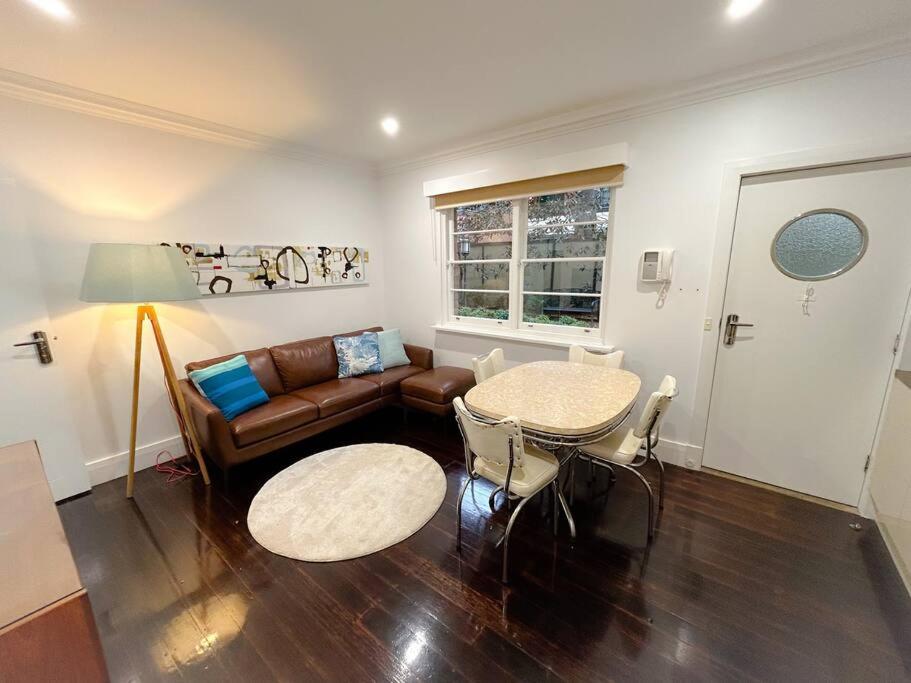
(558,403)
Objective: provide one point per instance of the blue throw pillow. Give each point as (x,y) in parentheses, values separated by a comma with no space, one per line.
(358,355)
(392,350)
(231,386)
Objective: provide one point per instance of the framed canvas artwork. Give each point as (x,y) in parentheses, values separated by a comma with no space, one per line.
(232,269)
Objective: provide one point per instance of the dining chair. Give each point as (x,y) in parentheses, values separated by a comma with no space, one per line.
(622,447)
(498,452)
(578,354)
(488,366)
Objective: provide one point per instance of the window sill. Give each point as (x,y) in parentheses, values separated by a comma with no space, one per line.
(526,337)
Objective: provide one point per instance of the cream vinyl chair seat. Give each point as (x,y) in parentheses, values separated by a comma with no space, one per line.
(538,470)
(620,447)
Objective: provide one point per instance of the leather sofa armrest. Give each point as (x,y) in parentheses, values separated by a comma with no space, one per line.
(211,426)
(420,356)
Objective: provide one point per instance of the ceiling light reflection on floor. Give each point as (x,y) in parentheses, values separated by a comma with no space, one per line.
(222,617)
(415,647)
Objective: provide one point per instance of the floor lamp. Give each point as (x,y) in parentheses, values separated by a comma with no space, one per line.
(140,273)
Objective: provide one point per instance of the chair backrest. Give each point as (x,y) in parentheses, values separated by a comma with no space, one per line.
(656,406)
(491,441)
(578,354)
(488,366)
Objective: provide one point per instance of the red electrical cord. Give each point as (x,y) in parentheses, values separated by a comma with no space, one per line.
(175,471)
(172,468)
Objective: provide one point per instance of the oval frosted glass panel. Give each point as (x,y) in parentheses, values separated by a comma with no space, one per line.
(819,245)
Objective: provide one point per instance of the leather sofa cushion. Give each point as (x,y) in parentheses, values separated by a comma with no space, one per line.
(261,364)
(439,385)
(306,362)
(338,395)
(388,381)
(281,414)
(420,356)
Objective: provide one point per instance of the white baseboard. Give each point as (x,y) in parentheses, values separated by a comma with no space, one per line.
(113,466)
(682,454)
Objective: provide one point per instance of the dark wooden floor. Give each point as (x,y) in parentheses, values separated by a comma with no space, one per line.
(741,584)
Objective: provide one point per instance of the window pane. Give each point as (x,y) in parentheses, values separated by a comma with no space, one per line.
(485,245)
(480,276)
(562,276)
(573,311)
(490,216)
(567,241)
(475,305)
(569,207)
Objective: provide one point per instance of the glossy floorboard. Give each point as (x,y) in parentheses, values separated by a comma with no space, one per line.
(741,584)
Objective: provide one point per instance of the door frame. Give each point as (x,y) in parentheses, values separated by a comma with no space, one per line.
(734,174)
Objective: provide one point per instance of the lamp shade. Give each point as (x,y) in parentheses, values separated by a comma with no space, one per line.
(136,273)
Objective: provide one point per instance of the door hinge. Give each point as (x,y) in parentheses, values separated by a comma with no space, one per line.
(896,344)
(867,463)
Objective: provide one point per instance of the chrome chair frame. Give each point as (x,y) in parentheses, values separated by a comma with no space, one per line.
(651,440)
(553,443)
(504,540)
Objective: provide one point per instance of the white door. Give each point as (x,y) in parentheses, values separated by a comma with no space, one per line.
(797,397)
(32,402)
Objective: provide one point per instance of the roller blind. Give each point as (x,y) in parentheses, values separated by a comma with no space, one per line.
(603,176)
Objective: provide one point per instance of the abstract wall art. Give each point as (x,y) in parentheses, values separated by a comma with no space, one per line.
(232,269)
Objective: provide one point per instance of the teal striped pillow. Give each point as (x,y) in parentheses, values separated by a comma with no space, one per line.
(231,386)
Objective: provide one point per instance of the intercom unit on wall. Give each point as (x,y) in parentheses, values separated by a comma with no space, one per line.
(656,265)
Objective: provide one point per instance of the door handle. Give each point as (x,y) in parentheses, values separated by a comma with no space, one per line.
(41,346)
(730,329)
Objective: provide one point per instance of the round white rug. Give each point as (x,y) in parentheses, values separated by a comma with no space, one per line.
(347,502)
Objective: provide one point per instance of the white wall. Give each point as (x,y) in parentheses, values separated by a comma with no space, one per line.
(88,179)
(670,198)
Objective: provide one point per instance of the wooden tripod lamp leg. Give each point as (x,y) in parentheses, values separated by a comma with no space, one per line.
(174,389)
(143,312)
(140,317)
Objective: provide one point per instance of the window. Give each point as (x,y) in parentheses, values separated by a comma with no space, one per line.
(819,245)
(530,264)
(480,260)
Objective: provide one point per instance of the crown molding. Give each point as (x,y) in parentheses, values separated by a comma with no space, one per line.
(30,88)
(797,66)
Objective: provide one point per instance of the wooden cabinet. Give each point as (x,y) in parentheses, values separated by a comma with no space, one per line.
(47,631)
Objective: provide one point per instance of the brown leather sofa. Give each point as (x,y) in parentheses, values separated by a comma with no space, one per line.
(306,397)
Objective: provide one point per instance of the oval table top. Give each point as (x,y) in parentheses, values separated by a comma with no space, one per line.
(557,397)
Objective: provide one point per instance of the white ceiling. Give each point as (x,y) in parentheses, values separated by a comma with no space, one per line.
(322,74)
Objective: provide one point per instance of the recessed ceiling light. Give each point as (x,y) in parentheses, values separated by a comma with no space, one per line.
(56,8)
(738,9)
(390,126)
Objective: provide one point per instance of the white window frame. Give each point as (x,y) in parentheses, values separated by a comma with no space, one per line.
(514,326)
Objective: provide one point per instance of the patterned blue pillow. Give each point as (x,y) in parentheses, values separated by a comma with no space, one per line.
(358,355)
(231,386)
